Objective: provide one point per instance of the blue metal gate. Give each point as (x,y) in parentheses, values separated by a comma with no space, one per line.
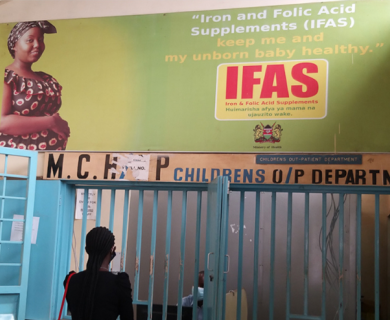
(15,231)
(256,237)
(290,283)
(146,212)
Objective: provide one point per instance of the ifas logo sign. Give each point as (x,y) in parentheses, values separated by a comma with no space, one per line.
(283,90)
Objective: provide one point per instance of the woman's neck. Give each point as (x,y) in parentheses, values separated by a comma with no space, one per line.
(22,66)
(106,262)
(24,70)
(104,266)
(104,269)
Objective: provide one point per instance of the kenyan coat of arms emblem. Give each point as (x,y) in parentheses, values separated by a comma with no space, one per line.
(271,134)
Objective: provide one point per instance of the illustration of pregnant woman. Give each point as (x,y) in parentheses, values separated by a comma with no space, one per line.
(31,100)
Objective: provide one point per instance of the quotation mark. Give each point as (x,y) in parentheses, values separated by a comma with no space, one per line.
(195,16)
(379,45)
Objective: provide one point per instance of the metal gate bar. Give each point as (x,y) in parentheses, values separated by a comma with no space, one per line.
(272,257)
(359,256)
(377,231)
(83,229)
(306,257)
(152,254)
(197,251)
(98,208)
(240,254)
(112,211)
(182,253)
(341,256)
(289,230)
(124,230)
(224,265)
(324,233)
(256,254)
(167,254)
(138,247)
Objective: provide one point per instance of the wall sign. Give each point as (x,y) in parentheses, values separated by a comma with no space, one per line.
(291,89)
(307,78)
(366,169)
(309,159)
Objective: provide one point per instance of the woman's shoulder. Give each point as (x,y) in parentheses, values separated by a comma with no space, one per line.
(74,275)
(11,73)
(122,279)
(46,77)
(48,84)
(70,274)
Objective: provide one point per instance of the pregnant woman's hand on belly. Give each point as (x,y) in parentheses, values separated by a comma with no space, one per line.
(60,126)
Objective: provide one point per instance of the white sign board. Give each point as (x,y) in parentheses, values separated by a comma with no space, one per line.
(18,228)
(92,198)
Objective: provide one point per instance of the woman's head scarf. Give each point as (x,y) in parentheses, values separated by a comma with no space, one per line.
(22,27)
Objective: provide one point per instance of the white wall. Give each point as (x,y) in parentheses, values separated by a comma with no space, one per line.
(19,10)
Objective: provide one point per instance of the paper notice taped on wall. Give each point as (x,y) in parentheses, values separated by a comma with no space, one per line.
(91,209)
(138,164)
(17,229)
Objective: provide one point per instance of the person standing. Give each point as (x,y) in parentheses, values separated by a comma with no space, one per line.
(189,300)
(96,293)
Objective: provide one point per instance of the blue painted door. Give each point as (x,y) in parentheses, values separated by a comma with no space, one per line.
(16,220)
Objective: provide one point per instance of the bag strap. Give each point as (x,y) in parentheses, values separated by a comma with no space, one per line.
(66,290)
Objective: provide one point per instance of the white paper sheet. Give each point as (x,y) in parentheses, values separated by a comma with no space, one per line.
(92,198)
(18,227)
(138,164)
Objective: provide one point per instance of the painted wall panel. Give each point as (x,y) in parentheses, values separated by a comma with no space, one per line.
(42,258)
(43,253)
(11,253)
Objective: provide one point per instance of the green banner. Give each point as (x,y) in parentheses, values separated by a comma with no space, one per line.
(297,78)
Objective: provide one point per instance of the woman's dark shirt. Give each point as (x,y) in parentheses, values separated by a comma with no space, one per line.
(112,297)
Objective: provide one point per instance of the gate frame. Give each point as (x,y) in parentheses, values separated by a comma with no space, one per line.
(324,189)
(64,238)
(21,289)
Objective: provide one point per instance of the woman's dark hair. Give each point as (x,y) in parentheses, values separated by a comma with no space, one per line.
(99,242)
